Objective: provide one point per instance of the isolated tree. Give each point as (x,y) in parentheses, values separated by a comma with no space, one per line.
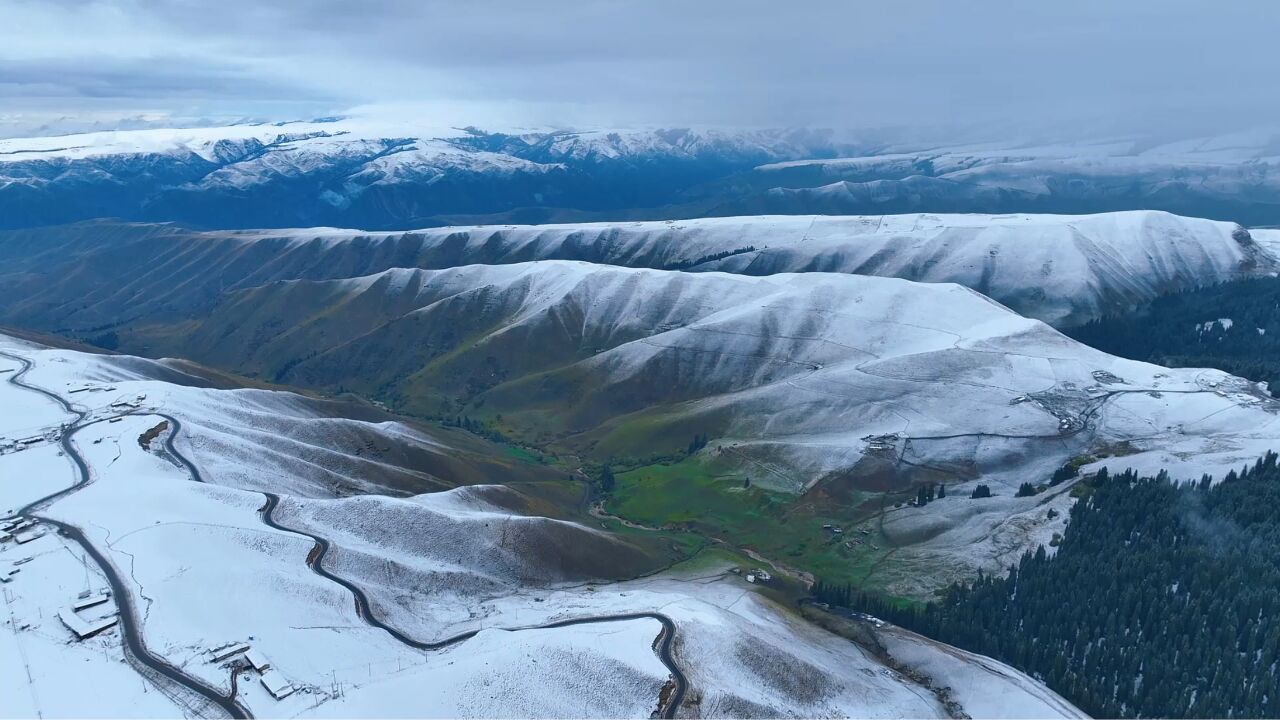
(982,491)
(697,443)
(605,479)
(1066,472)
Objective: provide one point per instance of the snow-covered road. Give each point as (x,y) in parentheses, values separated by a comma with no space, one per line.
(136,647)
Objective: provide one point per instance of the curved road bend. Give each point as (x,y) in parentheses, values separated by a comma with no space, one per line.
(123,597)
(315,560)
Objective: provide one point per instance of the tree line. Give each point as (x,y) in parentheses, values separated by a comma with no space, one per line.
(1161,600)
(1183,330)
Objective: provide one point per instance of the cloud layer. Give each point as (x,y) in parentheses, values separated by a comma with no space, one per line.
(1169,65)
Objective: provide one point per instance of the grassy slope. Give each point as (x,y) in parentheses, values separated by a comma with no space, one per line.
(705,498)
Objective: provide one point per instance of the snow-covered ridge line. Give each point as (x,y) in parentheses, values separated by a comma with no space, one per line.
(1064,269)
(332,134)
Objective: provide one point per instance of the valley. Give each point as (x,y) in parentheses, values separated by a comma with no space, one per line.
(756,411)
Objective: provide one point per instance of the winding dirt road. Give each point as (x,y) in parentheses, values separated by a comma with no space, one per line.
(315,561)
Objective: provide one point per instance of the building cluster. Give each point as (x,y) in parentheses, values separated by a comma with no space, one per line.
(245,656)
(73,615)
(20,530)
(8,445)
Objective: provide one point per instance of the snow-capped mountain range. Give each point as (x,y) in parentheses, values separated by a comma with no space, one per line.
(361,172)
(365,173)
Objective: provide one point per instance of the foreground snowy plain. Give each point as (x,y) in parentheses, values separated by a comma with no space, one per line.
(202,570)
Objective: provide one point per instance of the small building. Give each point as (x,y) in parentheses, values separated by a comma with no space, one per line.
(226,651)
(4,536)
(115,419)
(257,660)
(25,442)
(85,628)
(277,685)
(91,600)
(25,537)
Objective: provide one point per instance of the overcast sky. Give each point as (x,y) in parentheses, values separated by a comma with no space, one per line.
(1114,65)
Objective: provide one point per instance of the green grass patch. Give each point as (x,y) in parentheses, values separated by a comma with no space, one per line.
(522,454)
(701,497)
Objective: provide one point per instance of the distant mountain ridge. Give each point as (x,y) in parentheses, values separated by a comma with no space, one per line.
(1064,270)
(350,173)
(387,175)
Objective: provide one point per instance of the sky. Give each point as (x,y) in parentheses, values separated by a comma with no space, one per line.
(1167,66)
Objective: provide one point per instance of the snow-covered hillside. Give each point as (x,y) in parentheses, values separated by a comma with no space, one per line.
(223,605)
(572,351)
(790,370)
(1062,269)
(1268,239)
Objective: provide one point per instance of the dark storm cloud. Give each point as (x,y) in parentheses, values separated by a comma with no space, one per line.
(1127,65)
